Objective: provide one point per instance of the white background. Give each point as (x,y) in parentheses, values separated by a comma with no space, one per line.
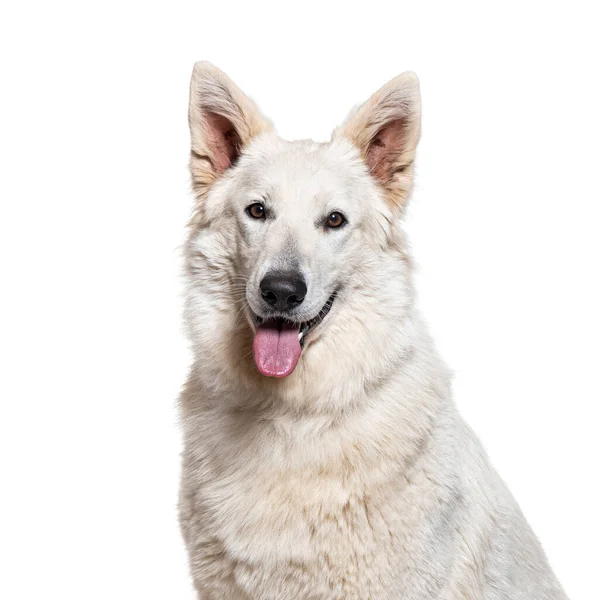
(94,197)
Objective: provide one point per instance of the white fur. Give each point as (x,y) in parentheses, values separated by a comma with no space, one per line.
(354,477)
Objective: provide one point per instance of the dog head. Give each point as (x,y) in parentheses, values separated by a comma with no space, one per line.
(295,253)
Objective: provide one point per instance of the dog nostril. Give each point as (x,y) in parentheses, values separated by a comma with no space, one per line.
(269,297)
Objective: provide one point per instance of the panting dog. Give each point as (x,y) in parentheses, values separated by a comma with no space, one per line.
(324,458)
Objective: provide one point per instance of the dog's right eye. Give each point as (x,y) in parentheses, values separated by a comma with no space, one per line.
(256,210)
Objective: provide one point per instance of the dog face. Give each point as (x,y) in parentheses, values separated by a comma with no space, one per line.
(301,211)
(297,245)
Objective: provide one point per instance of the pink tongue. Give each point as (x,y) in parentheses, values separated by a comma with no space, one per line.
(276,348)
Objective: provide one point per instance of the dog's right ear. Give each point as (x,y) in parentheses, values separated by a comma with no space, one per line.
(222,120)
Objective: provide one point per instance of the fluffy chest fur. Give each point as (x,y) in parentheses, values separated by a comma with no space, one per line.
(356,507)
(319,516)
(330,514)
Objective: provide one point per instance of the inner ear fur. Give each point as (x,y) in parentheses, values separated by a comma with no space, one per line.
(386,130)
(222,121)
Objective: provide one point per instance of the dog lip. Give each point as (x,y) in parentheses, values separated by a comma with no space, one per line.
(308,326)
(304,326)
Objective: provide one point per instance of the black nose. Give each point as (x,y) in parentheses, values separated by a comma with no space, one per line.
(283,291)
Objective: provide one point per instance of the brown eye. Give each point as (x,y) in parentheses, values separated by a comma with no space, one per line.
(256,210)
(335,220)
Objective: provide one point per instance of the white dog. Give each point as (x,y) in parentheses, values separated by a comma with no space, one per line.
(324,458)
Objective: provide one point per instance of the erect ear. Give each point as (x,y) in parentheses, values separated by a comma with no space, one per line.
(222,120)
(386,130)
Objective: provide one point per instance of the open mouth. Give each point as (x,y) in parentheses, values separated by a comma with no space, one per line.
(279,341)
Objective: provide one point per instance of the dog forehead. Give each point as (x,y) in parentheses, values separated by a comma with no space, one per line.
(310,168)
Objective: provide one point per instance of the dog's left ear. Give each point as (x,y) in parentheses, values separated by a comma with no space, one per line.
(386,131)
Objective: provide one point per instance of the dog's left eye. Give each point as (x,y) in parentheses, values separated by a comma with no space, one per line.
(335,220)
(256,210)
